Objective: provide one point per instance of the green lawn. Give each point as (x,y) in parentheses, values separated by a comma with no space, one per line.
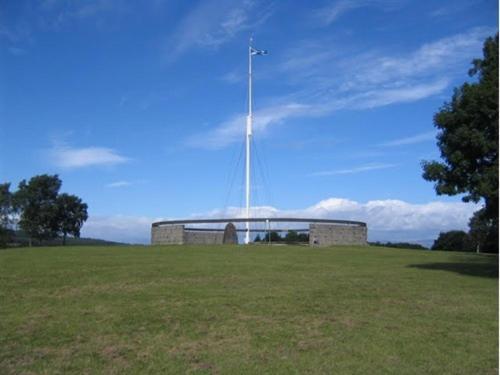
(258,309)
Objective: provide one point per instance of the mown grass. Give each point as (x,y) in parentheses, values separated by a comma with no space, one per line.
(237,310)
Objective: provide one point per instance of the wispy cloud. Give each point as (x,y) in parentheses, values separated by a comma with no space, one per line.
(441,56)
(118,184)
(335,9)
(125,183)
(70,157)
(418,138)
(15,33)
(54,14)
(386,96)
(358,169)
(17,51)
(309,143)
(232,130)
(214,22)
(233,77)
(453,8)
(328,83)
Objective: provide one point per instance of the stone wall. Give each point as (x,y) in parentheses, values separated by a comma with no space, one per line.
(332,234)
(203,238)
(319,235)
(167,235)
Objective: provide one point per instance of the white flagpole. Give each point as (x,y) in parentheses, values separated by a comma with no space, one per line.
(248,138)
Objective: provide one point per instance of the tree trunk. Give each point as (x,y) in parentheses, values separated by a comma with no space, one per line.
(29,241)
(64,239)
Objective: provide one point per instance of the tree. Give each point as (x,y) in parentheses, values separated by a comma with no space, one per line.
(71,214)
(483,232)
(6,211)
(454,240)
(257,238)
(468,137)
(303,237)
(37,201)
(292,237)
(275,237)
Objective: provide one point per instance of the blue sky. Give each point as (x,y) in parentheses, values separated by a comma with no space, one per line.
(139,106)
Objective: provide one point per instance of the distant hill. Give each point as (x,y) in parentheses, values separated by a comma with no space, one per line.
(21,239)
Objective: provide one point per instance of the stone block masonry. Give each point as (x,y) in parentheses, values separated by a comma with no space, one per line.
(178,235)
(330,235)
(203,238)
(167,235)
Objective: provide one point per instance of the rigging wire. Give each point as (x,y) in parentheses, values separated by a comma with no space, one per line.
(233,177)
(266,180)
(242,188)
(255,188)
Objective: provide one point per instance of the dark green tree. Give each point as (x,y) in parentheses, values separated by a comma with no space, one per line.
(483,232)
(275,237)
(292,237)
(71,214)
(257,238)
(37,202)
(468,137)
(303,237)
(454,240)
(6,212)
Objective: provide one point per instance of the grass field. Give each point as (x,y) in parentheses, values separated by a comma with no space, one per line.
(237,310)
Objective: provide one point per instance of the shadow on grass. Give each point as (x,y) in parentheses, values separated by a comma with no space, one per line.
(483,269)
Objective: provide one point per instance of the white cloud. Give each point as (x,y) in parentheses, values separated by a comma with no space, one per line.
(387,220)
(214,22)
(358,169)
(418,138)
(329,83)
(394,215)
(70,157)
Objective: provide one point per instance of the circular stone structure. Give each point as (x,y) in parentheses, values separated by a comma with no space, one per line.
(322,232)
